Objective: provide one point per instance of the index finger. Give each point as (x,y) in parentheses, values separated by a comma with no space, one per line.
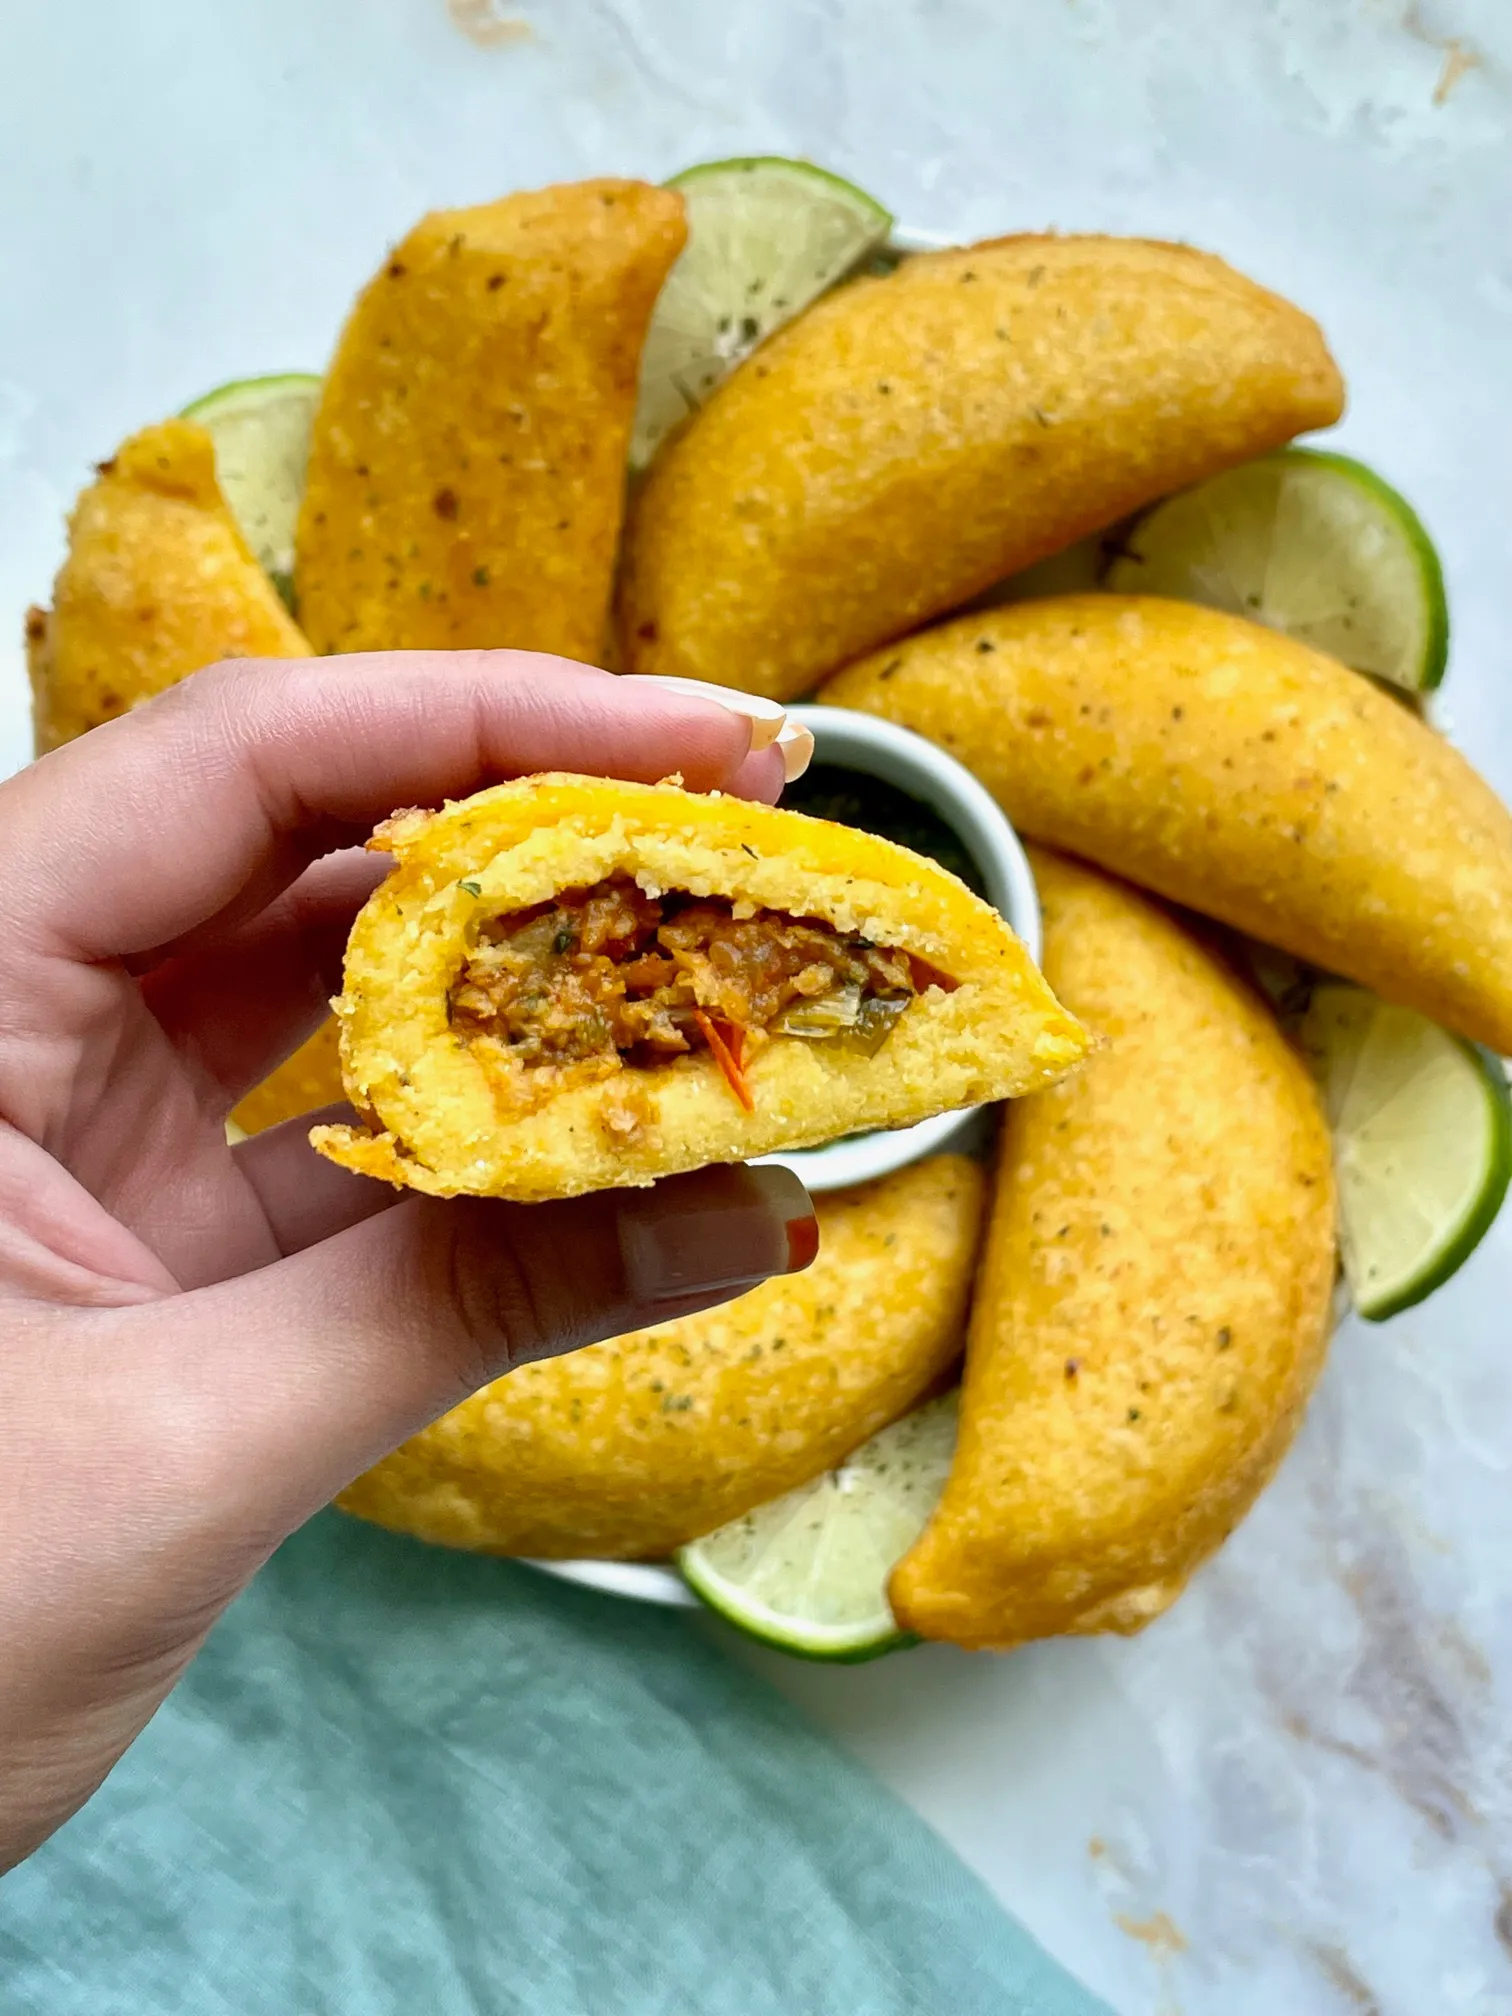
(216,795)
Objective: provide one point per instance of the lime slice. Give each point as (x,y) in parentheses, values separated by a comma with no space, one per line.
(765,238)
(1315,545)
(261,429)
(1422,1129)
(808,1572)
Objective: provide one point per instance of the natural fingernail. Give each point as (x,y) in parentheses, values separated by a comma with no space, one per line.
(724,1230)
(797,745)
(768,718)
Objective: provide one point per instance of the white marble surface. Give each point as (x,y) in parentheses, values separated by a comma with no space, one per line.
(1293,1797)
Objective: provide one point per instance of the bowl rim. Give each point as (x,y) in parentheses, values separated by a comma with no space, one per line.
(640,1581)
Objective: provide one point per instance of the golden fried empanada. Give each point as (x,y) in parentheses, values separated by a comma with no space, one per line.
(158,582)
(467,468)
(628,1449)
(1154,1303)
(909,441)
(1235,771)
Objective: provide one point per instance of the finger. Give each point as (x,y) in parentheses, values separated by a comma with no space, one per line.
(772,725)
(291,1381)
(305,1198)
(204,804)
(760,776)
(238,1007)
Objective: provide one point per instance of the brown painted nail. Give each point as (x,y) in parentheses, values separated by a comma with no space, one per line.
(717,1230)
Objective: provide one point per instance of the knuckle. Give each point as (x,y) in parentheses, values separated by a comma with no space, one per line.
(499,1318)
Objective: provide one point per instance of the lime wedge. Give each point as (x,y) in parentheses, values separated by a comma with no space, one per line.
(1313,544)
(1422,1130)
(261,429)
(765,238)
(808,1572)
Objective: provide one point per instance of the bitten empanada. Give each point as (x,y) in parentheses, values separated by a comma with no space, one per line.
(569,984)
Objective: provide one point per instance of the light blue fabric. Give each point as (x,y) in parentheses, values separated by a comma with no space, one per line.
(399,1782)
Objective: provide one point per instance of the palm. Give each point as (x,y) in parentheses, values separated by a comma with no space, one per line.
(136,1183)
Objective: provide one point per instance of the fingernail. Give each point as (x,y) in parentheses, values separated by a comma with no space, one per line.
(797,745)
(768,719)
(722,1229)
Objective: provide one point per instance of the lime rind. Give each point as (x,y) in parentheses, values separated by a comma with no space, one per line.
(1434,659)
(1484,1210)
(249,394)
(808,172)
(766,237)
(807,1573)
(770,1627)
(1422,1125)
(1310,542)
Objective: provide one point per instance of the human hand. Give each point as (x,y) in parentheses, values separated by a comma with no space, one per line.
(203,1344)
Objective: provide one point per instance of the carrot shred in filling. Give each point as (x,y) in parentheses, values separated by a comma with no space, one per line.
(609,975)
(728,1047)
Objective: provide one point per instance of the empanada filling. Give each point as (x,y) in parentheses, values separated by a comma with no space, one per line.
(609,976)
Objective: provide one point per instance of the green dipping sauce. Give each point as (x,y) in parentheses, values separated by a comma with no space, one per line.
(851,798)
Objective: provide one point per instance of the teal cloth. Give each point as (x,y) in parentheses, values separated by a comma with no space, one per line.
(399,1782)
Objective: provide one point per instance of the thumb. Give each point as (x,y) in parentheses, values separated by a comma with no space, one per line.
(312,1369)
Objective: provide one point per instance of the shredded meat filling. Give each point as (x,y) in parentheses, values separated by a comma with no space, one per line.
(609,971)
